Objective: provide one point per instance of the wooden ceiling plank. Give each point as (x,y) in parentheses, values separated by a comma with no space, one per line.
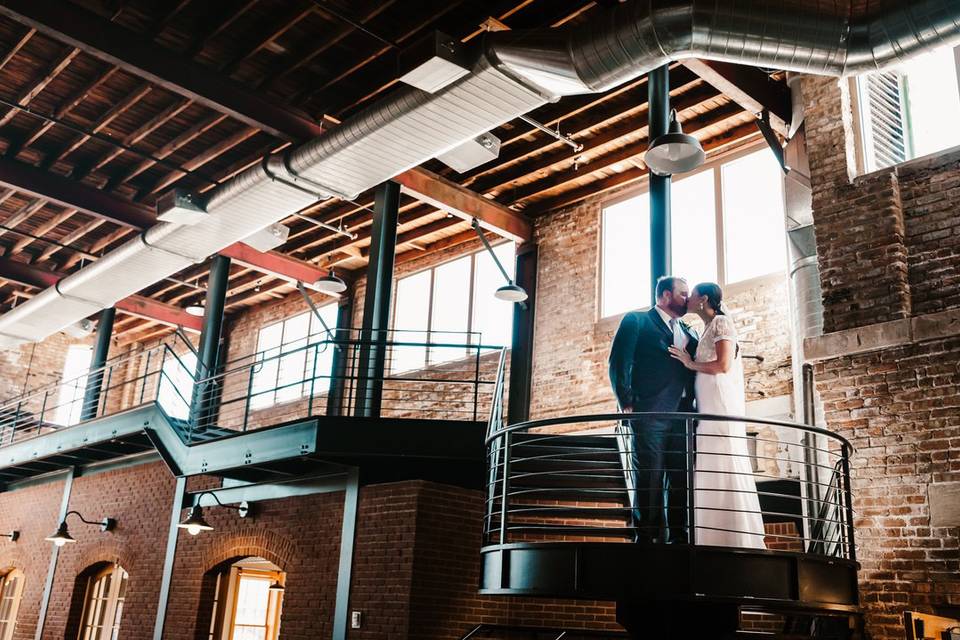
(43,230)
(35,86)
(567,198)
(15,49)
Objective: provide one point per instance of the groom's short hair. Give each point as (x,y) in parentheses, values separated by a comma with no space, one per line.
(666,283)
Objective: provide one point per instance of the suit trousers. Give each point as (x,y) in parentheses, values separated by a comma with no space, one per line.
(654,453)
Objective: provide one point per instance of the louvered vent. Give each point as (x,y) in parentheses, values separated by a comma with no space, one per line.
(885,139)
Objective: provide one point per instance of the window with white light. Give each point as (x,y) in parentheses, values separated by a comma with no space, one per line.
(73,385)
(106,592)
(247,601)
(295,358)
(175,392)
(451,304)
(11,588)
(910,111)
(727,226)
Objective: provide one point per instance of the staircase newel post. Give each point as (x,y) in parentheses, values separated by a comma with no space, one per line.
(506,487)
(691,489)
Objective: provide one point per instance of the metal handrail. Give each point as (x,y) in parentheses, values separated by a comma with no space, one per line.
(663,415)
(549,485)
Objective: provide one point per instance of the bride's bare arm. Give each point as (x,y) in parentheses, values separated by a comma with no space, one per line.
(726,351)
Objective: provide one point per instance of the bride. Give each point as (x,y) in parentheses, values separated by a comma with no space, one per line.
(727,508)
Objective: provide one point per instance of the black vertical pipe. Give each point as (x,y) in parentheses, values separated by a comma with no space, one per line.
(209,350)
(376,303)
(521,352)
(338,367)
(658,113)
(101,350)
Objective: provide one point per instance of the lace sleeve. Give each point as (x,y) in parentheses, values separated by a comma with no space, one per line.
(724,329)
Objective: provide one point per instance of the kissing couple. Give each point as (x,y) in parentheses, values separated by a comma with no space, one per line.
(658,364)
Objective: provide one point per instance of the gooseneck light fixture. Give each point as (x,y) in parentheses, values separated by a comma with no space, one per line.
(674,152)
(62,535)
(13,535)
(276,586)
(510,292)
(195,522)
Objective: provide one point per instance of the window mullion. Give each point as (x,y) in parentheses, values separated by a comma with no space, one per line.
(721,239)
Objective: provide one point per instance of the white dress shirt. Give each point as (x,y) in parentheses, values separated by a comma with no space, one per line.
(680,338)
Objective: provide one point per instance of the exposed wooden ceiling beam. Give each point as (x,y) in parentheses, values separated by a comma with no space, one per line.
(446,195)
(749,87)
(135,54)
(140,306)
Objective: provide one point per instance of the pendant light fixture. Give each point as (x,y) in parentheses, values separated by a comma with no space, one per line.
(330,283)
(674,152)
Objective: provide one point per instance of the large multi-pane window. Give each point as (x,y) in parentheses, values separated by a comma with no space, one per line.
(177,383)
(70,395)
(103,604)
(910,111)
(11,588)
(727,225)
(295,358)
(451,304)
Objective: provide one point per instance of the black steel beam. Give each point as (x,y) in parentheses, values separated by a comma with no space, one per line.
(338,369)
(101,350)
(376,305)
(136,54)
(521,352)
(658,115)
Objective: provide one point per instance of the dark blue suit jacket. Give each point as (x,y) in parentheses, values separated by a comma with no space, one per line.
(642,372)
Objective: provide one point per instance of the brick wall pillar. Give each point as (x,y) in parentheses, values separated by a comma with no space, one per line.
(859,222)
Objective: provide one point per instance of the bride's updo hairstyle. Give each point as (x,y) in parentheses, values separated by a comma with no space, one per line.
(713,294)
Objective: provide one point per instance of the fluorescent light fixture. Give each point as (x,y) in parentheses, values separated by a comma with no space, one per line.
(180,207)
(472,153)
(269,237)
(433,62)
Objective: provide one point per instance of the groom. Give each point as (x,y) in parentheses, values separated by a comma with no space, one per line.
(646,379)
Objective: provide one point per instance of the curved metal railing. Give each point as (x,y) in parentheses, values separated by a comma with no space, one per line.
(726,481)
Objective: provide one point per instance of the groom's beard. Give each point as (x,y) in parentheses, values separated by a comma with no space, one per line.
(679,309)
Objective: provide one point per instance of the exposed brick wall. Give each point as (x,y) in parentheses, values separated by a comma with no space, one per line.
(300,535)
(136,497)
(901,410)
(890,248)
(30,554)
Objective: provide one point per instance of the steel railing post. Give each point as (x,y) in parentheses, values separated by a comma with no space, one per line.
(476,385)
(16,421)
(246,402)
(146,374)
(102,410)
(506,488)
(689,428)
(43,409)
(313,380)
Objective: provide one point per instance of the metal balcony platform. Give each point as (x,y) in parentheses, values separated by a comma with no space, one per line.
(383,449)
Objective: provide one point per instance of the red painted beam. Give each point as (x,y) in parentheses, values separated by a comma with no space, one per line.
(449,196)
(139,306)
(273,263)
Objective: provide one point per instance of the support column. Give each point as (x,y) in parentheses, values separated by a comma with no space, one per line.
(521,352)
(658,113)
(376,304)
(341,356)
(209,350)
(101,349)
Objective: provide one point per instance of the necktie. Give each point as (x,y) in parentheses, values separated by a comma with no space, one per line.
(677,336)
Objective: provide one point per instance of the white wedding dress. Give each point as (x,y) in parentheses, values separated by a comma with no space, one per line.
(727,508)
